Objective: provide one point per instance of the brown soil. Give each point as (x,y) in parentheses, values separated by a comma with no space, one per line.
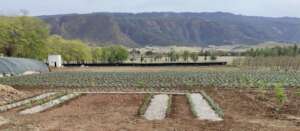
(113,112)
(180,108)
(9,94)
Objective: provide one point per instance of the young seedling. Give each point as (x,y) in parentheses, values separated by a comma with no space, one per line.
(141,84)
(298,93)
(280,95)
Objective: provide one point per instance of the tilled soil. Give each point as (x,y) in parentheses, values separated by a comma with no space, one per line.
(115,112)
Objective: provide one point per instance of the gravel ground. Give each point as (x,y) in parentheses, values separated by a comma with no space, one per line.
(203,109)
(157,108)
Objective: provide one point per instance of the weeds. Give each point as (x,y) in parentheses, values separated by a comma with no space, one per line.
(214,105)
(280,95)
(298,93)
(145,104)
(194,112)
(169,108)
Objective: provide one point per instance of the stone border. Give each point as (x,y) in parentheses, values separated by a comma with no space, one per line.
(50,104)
(23,102)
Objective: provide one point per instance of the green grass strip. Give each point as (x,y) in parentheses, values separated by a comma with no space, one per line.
(169,108)
(213,105)
(192,106)
(42,101)
(145,104)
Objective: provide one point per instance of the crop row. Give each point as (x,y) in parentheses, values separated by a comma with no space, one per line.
(236,79)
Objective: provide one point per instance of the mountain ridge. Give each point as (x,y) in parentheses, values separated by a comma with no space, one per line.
(170,28)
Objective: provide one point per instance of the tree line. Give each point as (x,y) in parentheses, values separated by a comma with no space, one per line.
(273,52)
(29,37)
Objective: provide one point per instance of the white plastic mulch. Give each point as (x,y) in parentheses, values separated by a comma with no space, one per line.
(23,102)
(157,108)
(203,109)
(49,104)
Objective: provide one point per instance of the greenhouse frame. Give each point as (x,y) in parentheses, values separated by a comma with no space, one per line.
(11,66)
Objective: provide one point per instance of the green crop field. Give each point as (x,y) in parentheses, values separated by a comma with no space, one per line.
(236,79)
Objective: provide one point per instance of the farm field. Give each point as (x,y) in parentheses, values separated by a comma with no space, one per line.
(155,81)
(119,112)
(111,99)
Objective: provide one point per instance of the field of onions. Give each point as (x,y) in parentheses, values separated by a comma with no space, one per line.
(237,79)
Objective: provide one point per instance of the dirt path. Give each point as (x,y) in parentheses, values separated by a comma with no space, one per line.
(180,108)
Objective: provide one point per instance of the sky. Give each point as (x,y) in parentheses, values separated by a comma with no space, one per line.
(271,8)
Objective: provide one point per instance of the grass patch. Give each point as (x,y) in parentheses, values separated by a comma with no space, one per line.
(145,104)
(42,101)
(192,106)
(213,105)
(169,108)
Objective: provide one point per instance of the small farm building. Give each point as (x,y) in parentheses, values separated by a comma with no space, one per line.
(55,60)
(10,66)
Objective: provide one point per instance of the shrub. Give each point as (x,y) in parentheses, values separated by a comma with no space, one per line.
(280,94)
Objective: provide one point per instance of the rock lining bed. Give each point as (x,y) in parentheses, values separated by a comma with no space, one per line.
(157,108)
(23,102)
(201,108)
(50,104)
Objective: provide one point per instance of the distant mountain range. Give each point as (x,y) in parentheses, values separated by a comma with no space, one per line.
(166,28)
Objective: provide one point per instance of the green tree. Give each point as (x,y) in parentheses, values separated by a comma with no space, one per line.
(194,56)
(213,56)
(23,36)
(71,50)
(97,54)
(173,55)
(186,55)
(115,54)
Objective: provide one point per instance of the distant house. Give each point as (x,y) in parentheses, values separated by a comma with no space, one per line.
(55,61)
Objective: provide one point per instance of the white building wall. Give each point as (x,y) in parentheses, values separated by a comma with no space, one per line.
(55,60)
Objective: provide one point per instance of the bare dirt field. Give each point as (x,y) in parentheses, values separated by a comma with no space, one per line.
(116,112)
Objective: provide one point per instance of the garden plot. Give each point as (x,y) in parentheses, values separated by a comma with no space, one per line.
(24,102)
(201,108)
(50,104)
(157,108)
